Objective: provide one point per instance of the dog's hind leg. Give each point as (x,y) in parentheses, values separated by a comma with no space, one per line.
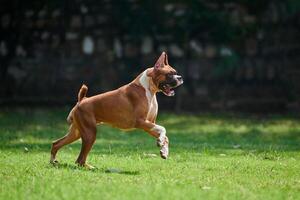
(87,127)
(88,137)
(70,137)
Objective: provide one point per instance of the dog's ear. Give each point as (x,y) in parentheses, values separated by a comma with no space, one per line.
(162,61)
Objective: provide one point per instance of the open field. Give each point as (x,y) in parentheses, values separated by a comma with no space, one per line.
(212,156)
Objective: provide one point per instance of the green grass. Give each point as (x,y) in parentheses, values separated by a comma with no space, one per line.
(211,157)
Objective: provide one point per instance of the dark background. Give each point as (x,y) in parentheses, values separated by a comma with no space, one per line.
(234,55)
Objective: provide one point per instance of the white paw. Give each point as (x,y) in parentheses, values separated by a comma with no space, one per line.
(164,151)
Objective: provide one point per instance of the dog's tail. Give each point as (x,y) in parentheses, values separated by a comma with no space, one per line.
(81,94)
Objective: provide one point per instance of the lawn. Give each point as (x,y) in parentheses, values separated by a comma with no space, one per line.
(212,156)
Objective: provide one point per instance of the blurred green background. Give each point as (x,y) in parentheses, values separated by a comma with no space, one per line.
(235,55)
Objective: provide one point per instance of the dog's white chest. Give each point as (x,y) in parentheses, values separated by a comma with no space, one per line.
(151,98)
(153,107)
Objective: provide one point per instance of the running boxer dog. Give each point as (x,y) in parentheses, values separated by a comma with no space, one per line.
(132,106)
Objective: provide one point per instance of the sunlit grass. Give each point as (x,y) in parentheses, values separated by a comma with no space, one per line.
(212,156)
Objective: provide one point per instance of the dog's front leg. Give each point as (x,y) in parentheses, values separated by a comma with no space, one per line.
(158,132)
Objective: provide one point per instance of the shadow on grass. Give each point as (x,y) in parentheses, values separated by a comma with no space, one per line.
(96,170)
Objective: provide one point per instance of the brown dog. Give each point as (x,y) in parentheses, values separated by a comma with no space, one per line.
(131,106)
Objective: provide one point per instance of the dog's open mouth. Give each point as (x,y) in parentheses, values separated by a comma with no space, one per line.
(167,87)
(168,90)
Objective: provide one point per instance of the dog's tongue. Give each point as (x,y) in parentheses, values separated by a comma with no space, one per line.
(170,92)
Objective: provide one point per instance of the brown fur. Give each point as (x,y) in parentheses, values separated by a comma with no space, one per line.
(82,92)
(125,108)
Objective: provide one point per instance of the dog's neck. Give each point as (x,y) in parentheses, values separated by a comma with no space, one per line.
(147,83)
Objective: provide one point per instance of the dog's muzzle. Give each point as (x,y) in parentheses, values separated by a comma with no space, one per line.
(179,80)
(167,86)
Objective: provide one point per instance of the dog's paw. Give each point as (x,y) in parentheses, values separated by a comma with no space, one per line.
(54,162)
(161,141)
(86,166)
(164,151)
(89,167)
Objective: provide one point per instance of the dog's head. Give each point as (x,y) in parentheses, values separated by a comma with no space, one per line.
(164,76)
